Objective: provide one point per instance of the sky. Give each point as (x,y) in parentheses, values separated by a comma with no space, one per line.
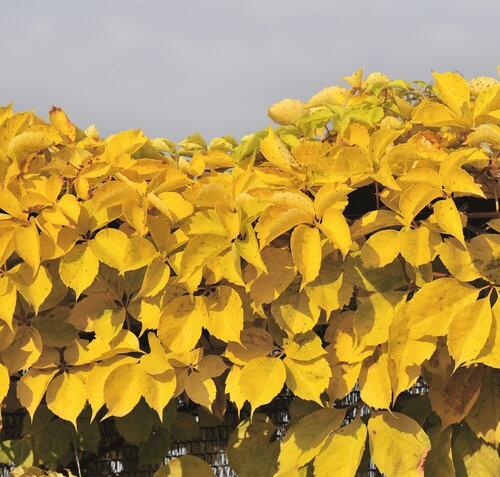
(215,66)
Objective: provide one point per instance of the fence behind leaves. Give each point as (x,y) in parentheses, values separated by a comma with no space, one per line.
(117,458)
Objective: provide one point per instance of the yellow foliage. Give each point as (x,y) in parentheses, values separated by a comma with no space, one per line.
(356,247)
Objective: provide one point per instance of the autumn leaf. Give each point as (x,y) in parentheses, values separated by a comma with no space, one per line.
(398,445)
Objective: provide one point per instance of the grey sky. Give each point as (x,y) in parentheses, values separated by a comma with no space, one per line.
(214,66)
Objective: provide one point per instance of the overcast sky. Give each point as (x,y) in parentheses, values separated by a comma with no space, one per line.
(214,66)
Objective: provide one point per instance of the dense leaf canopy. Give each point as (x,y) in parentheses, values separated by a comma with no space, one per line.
(354,245)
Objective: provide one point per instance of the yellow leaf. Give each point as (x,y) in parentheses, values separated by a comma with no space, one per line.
(372,222)
(147,311)
(224,317)
(217,159)
(27,242)
(294,312)
(448,218)
(487,101)
(484,417)
(356,79)
(200,389)
(421,175)
(328,95)
(454,91)
(334,226)
(79,268)
(125,142)
(307,379)
(249,250)
(276,152)
(266,287)
(287,111)
(159,389)
(490,354)
(66,396)
(415,198)
(330,195)
(330,290)
(155,278)
(455,179)
(156,361)
(373,317)
(304,347)
(308,152)
(384,176)
(8,300)
(485,252)
(135,214)
(192,283)
(472,457)
(398,445)
(344,377)
(375,382)
(6,241)
(349,162)
(304,439)
(7,336)
(287,198)
(277,220)
(33,139)
(4,382)
(109,323)
(230,266)
(433,307)
(24,350)
(418,246)
(357,135)
(380,140)
(341,453)
(32,386)
(469,330)
(457,260)
(305,244)
(230,220)
(245,385)
(406,353)
(120,399)
(255,343)
(485,133)
(380,249)
(96,380)
(117,250)
(199,250)
(172,204)
(382,279)
(60,121)
(185,466)
(181,322)
(435,115)
(344,348)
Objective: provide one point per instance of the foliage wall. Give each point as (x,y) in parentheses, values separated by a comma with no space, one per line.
(354,245)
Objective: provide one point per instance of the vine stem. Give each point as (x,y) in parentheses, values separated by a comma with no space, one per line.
(79,470)
(483,215)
